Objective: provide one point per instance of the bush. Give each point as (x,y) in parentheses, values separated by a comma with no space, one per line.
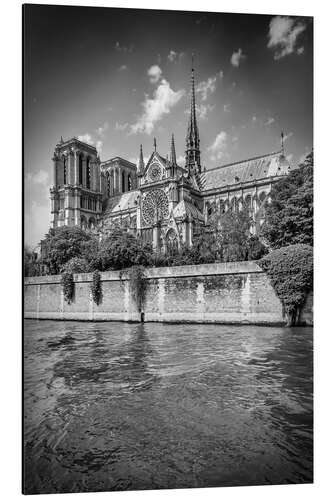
(75,265)
(290,270)
(96,288)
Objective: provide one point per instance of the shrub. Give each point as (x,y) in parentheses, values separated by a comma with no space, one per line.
(75,265)
(96,288)
(68,286)
(290,270)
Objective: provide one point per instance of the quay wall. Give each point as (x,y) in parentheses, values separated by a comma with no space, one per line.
(233,292)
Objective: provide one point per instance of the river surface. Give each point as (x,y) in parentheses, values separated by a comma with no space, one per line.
(118,406)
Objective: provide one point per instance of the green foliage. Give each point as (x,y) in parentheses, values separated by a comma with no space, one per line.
(289,217)
(137,283)
(96,288)
(290,270)
(32,267)
(75,265)
(68,286)
(121,250)
(63,244)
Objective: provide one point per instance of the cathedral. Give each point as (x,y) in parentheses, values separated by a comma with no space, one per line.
(164,203)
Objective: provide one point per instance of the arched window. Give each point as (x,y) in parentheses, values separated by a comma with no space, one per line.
(129,181)
(80,170)
(234,204)
(92,223)
(108,183)
(248,204)
(83,222)
(116,188)
(88,173)
(123,182)
(65,169)
(222,207)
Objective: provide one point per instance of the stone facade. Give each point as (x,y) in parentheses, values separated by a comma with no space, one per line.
(237,292)
(161,201)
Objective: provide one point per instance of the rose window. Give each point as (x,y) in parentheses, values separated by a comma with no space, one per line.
(155,172)
(155,206)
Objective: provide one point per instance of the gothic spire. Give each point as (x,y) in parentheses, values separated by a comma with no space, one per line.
(141,166)
(282,143)
(173,159)
(192,138)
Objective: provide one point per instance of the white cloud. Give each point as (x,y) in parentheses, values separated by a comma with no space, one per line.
(283,34)
(254,118)
(208,86)
(154,73)
(174,56)
(102,129)
(181,160)
(287,136)
(124,48)
(122,68)
(86,138)
(37,219)
(226,108)
(154,108)
(203,110)
(237,57)
(269,121)
(219,146)
(99,146)
(41,177)
(121,126)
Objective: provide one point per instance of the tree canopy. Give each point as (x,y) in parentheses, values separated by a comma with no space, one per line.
(289,217)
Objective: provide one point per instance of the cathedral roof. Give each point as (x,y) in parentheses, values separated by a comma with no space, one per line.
(186,208)
(121,202)
(253,169)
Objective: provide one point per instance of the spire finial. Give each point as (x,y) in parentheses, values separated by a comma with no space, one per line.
(141,162)
(192,138)
(155,143)
(173,159)
(282,143)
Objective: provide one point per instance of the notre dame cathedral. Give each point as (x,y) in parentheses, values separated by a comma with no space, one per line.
(163,202)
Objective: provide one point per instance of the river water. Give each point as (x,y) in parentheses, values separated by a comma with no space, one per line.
(117,406)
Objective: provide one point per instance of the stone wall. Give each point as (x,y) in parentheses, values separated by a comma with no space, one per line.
(234,292)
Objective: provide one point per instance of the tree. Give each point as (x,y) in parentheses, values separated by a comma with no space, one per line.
(63,244)
(290,270)
(289,217)
(121,249)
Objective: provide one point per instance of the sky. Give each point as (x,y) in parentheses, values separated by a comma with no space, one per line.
(117,78)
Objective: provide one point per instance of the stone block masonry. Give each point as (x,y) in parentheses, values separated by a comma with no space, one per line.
(233,292)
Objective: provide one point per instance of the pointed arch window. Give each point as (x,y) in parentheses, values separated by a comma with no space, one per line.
(123,182)
(88,173)
(129,180)
(65,170)
(80,169)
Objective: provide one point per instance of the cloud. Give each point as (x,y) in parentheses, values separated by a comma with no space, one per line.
(154,73)
(163,100)
(102,129)
(121,126)
(174,56)
(283,34)
(181,160)
(203,110)
(124,48)
(86,138)
(208,86)
(269,121)
(122,68)
(226,108)
(254,118)
(219,146)
(236,58)
(99,146)
(41,177)
(287,136)
(37,219)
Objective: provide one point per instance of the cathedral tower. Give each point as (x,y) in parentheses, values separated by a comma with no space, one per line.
(192,163)
(76,196)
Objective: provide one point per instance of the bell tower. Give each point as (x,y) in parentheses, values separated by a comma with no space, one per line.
(76,193)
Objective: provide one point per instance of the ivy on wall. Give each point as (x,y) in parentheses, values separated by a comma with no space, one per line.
(137,284)
(68,286)
(96,288)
